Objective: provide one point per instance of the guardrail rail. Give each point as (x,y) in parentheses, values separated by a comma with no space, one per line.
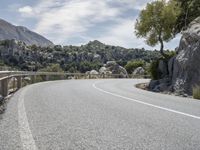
(11,81)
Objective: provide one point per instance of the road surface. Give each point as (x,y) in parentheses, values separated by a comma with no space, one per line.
(98,115)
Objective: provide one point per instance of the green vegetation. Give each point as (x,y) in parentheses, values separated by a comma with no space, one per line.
(153,70)
(160,21)
(132,65)
(52,68)
(190,10)
(169,54)
(73,59)
(157,22)
(196,92)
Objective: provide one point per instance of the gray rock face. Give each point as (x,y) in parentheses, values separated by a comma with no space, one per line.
(104,71)
(186,72)
(162,68)
(182,72)
(19,33)
(93,72)
(139,71)
(170,66)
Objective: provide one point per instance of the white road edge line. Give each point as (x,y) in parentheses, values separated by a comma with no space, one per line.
(24,128)
(144,103)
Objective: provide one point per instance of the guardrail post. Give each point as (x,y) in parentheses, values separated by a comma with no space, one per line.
(47,77)
(4,87)
(62,77)
(103,75)
(19,82)
(14,80)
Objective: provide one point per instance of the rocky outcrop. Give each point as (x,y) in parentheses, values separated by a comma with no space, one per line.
(182,72)
(104,71)
(186,69)
(92,74)
(115,68)
(138,71)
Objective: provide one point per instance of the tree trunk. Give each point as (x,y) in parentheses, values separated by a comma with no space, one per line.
(162,47)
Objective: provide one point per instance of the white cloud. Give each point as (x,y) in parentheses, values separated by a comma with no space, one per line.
(26,10)
(66,18)
(123,34)
(62,20)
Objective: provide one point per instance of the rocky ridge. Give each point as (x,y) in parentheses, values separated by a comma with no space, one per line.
(20,33)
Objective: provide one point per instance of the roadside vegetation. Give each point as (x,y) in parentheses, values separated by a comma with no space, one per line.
(73,59)
(196,92)
(160,21)
(132,65)
(153,68)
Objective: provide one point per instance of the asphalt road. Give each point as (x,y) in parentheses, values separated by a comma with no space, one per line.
(98,115)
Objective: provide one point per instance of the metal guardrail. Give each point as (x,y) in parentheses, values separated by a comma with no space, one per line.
(11,81)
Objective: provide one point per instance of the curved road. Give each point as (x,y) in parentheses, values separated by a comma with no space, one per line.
(98,115)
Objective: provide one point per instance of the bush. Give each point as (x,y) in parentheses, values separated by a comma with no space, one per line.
(153,69)
(52,68)
(132,65)
(196,92)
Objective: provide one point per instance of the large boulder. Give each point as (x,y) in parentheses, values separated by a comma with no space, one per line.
(138,71)
(94,72)
(103,70)
(115,68)
(186,69)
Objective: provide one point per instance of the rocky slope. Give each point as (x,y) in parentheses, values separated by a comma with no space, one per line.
(186,67)
(19,33)
(91,56)
(182,72)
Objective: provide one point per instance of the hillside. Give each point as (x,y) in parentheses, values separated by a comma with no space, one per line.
(70,58)
(19,33)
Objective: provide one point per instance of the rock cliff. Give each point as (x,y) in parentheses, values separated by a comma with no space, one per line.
(182,72)
(186,68)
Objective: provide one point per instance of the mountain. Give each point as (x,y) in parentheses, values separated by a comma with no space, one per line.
(20,33)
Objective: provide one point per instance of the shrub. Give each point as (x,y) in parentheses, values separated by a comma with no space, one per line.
(132,65)
(169,55)
(196,92)
(52,68)
(153,69)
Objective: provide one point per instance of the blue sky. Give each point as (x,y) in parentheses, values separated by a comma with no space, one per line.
(76,22)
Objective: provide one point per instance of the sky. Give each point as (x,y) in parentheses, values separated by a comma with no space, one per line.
(76,22)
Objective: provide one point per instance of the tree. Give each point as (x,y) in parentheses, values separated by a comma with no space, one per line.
(190,10)
(132,65)
(157,22)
